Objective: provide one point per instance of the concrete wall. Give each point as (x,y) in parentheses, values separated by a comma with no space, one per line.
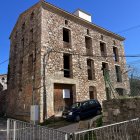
(118,110)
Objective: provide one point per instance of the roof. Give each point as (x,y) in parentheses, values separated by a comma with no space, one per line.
(63,12)
(3,75)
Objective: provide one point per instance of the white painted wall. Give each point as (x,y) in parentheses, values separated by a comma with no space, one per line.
(83,15)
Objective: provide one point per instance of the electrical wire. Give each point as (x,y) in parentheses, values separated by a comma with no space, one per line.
(134,62)
(136,55)
(129,29)
(4,61)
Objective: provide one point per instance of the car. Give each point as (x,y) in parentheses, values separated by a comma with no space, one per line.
(82,110)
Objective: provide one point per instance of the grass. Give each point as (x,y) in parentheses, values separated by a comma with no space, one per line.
(99,122)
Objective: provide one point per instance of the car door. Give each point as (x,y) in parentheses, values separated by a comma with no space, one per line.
(85,111)
(92,107)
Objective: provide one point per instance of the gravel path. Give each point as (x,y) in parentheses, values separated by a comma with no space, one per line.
(69,128)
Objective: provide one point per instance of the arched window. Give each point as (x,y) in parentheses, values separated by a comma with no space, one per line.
(121,91)
(92,92)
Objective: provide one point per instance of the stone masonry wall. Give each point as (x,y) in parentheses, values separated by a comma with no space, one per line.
(24,64)
(42,38)
(52,38)
(118,110)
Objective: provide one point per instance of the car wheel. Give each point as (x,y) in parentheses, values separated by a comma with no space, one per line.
(98,112)
(77,118)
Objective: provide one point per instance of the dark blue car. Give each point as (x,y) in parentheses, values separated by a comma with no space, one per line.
(82,110)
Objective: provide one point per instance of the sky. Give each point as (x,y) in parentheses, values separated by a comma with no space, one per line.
(118,16)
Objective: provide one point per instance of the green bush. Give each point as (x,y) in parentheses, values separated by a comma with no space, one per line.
(99,122)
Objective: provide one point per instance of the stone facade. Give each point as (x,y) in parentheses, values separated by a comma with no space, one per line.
(118,110)
(37,61)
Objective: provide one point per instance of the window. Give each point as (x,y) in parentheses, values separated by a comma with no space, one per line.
(88,44)
(66,38)
(114,42)
(103,49)
(90,69)
(120,91)
(22,44)
(87,31)
(85,105)
(118,74)
(30,63)
(115,54)
(66,35)
(31,34)
(32,16)
(92,103)
(102,37)
(67,65)
(66,22)
(23,26)
(105,69)
(92,92)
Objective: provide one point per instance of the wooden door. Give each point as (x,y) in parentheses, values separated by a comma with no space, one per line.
(59,102)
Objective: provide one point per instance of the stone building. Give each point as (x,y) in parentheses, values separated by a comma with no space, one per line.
(3,82)
(3,93)
(57,58)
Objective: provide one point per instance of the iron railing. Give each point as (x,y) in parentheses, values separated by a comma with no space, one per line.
(127,130)
(18,130)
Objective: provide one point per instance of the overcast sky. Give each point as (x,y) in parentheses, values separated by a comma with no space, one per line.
(114,15)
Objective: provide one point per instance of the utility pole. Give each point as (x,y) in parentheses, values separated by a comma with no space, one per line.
(108,83)
(34,107)
(44,86)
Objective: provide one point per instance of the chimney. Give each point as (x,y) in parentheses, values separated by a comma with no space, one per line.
(83,15)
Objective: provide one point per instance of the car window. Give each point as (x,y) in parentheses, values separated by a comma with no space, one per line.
(76,105)
(92,103)
(85,105)
(97,102)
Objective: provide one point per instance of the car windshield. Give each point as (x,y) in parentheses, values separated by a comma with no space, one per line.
(76,105)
